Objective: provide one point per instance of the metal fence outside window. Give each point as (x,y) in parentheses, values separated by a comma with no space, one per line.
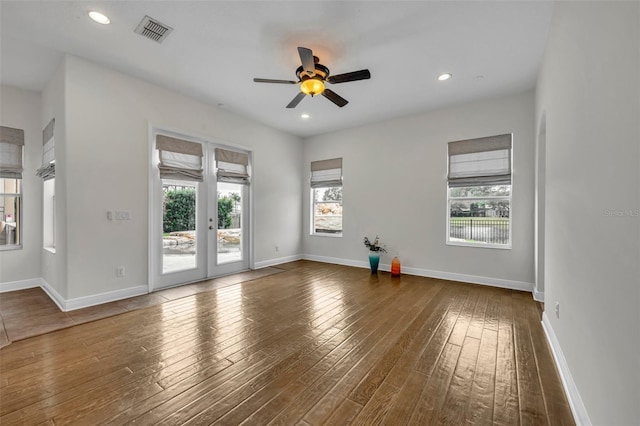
(480,230)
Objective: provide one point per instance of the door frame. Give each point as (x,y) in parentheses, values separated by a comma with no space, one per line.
(202,271)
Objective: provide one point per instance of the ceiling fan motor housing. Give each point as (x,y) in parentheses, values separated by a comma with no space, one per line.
(321,71)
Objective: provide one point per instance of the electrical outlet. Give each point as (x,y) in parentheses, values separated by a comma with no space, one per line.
(558,310)
(277,248)
(120,271)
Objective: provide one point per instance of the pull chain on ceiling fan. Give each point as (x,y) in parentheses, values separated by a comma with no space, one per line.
(312,76)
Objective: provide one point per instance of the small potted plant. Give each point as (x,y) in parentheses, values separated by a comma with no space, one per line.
(374,252)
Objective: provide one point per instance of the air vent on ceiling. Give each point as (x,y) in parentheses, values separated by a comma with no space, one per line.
(153,29)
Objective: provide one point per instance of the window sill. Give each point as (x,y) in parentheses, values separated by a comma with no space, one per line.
(479,245)
(11,247)
(327,235)
(50,249)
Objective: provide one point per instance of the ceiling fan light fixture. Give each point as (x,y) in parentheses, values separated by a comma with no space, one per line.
(312,86)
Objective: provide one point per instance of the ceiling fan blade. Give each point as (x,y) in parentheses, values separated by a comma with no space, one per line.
(308,64)
(268,80)
(295,101)
(334,97)
(350,76)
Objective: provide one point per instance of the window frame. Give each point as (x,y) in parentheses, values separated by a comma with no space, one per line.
(480,168)
(313,204)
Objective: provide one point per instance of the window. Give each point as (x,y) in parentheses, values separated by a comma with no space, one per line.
(48,173)
(10,212)
(327,210)
(11,143)
(180,168)
(49,215)
(232,175)
(326,197)
(479,192)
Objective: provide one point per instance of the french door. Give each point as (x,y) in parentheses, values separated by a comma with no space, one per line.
(227,226)
(198,229)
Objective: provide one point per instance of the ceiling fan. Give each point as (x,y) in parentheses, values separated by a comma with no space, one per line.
(312,76)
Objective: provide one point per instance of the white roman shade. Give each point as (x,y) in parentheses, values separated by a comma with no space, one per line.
(480,162)
(48,169)
(232,166)
(179,159)
(326,173)
(11,143)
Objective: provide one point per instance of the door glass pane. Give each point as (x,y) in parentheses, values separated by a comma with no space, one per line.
(229,222)
(178,225)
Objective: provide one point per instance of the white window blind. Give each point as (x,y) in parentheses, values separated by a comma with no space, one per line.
(48,169)
(480,162)
(326,173)
(179,159)
(11,143)
(232,166)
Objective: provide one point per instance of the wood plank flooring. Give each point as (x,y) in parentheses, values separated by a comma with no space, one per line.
(316,344)
(30,312)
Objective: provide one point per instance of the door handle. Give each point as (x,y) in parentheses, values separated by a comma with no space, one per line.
(210,226)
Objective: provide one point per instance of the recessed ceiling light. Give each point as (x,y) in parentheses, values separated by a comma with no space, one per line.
(305,116)
(445,76)
(99,17)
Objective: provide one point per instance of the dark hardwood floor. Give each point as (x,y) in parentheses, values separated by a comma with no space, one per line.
(31,312)
(316,344)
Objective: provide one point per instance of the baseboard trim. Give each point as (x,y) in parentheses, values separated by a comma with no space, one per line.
(278,261)
(20,285)
(578,409)
(538,296)
(86,301)
(77,303)
(473,279)
(110,296)
(53,294)
(344,262)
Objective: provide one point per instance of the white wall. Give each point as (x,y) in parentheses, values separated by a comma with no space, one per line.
(589,90)
(395,186)
(21,109)
(107,121)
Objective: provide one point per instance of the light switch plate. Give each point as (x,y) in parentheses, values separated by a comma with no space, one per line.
(123,215)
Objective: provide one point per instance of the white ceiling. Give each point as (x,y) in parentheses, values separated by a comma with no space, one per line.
(217,47)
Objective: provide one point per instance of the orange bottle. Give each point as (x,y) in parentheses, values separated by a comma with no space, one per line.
(395,267)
